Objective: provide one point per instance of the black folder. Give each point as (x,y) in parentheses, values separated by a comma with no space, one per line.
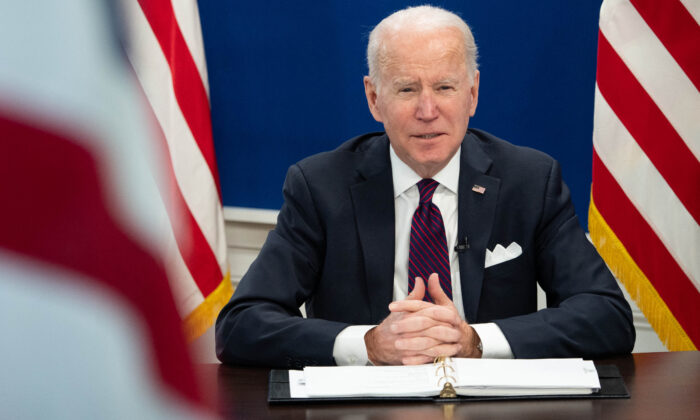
(611,386)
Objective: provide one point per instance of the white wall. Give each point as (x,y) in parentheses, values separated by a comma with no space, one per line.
(246,230)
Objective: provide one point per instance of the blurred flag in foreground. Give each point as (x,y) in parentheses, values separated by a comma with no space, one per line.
(164,45)
(644,216)
(89,325)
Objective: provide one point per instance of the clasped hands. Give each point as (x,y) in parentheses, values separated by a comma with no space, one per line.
(417,331)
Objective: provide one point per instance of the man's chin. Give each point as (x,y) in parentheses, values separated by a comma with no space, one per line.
(427,167)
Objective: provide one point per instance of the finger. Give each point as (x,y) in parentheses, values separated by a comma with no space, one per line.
(440,314)
(448,350)
(379,342)
(413,324)
(430,354)
(430,338)
(409,305)
(416,344)
(418,291)
(416,295)
(443,333)
(417,360)
(436,292)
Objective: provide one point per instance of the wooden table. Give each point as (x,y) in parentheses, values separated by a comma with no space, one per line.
(663,386)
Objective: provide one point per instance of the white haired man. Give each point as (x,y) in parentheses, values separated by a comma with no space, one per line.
(428,239)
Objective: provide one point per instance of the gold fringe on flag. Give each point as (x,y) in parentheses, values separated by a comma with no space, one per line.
(637,284)
(199,320)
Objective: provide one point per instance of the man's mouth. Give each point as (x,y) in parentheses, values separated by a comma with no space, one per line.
(428,136)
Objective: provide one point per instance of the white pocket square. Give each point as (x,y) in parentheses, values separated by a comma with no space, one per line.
(501,255)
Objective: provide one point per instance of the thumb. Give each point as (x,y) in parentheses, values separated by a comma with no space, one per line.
(418,291)
(436,292)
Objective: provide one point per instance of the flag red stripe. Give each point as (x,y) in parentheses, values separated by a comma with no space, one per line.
(194,248)
(80,234)
(198,255)
(649,127)
(648,252)
(189,89)
(677,30)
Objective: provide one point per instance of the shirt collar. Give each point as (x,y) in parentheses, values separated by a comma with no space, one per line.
(404,177)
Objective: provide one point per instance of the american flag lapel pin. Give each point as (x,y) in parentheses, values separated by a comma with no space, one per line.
(478,189)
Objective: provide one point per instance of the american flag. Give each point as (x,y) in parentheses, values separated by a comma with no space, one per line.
(166,50)
(88,318)
(644,215)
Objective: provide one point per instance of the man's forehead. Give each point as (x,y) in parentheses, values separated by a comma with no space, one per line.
(423,48)
(442,66)
(410,36)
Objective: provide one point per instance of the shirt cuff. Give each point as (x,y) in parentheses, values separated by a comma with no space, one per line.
(349,348)
(494,342)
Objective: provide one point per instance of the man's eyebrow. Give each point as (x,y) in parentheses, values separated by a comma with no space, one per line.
(403,82)
(448,81)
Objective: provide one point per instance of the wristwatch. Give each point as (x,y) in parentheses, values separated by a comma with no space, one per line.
(476,338)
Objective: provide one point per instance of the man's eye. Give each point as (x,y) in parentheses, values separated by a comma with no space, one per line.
(445,87)
(406,90)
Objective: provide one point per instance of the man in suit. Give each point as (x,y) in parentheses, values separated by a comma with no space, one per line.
(426,240)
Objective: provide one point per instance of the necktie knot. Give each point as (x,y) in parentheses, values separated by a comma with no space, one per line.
(427,187)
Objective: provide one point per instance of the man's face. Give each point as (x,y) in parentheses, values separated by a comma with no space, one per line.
(425,97)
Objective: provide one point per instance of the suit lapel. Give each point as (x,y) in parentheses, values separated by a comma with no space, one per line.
(476,216)
(373,202)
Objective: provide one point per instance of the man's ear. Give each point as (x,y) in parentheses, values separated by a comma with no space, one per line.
(371,94)
(474,93)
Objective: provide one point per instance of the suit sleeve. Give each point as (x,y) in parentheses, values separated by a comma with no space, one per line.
(262,324)
(586,315)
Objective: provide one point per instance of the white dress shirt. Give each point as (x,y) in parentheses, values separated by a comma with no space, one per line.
(349,347)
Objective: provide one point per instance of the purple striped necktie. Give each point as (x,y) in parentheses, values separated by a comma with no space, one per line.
(428,253)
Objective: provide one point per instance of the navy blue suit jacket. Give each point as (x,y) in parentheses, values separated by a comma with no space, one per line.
(333,249)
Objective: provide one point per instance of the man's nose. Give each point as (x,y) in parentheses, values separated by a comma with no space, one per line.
(427,109)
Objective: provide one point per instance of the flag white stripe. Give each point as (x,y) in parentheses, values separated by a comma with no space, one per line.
(88,324)
(193,176)
(47,94)
(185,289)
(693,7)
(38,82)
(654,67)
(187,16)
(70,79)
(646,189)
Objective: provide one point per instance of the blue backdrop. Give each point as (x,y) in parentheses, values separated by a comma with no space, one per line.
(286,82)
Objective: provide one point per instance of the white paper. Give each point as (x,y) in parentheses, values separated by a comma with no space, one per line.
(370,380)
(476,377)
(525,377)
(297,384)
